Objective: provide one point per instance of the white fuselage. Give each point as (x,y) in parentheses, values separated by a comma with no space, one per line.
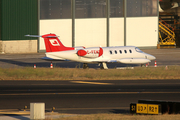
(124,54)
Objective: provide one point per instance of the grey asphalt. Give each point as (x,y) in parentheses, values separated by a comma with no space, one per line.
(72,98)
(85,98)
(166,56)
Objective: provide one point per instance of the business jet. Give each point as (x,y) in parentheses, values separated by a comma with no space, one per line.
(55,50)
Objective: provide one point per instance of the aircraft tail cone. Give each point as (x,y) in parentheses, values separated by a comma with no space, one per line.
(34,66)
(51,65)
(155,64)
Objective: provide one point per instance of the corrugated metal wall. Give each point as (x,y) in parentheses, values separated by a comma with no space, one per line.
(18,18)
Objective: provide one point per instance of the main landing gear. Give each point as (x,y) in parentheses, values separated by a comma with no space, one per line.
(85,66)
(102,65)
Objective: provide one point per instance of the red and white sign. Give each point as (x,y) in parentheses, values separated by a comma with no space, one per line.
(54,42)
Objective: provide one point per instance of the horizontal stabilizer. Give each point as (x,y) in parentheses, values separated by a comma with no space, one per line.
(51,59)
(33,36)
(51,36)
(41,36)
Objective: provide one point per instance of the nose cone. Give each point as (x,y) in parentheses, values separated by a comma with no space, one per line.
(150,57)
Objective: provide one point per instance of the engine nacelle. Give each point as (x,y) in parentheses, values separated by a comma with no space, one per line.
(90,52)
(134,61)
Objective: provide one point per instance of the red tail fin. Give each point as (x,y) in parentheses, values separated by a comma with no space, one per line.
(53,44)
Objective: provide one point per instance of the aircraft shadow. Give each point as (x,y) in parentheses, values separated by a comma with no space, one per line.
(61,64)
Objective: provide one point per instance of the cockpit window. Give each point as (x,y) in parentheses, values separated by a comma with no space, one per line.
(138,50)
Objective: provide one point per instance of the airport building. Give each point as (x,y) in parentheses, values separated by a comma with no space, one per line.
(88,23)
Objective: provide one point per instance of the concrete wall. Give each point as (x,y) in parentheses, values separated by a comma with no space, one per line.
(90,32)
(18,46)
(142,31)
(116,32)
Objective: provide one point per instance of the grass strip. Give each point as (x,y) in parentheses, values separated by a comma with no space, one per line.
(29,73)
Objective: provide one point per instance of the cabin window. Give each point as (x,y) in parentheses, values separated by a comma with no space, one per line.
(120,51)
(130,51)
(110,52)
(125,51)
(115,52)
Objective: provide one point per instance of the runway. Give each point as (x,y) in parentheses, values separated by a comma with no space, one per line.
(86,97)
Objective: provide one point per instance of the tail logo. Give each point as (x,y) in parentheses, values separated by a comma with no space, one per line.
(54,42)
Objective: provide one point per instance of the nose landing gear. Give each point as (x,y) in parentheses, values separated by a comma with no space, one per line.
(104,65)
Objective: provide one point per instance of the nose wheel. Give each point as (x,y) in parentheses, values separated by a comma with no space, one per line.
(104,66)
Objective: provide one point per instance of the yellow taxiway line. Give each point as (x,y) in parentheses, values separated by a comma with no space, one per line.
(16,113)
(96,83)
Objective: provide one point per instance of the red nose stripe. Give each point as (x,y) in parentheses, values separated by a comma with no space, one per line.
(81,53)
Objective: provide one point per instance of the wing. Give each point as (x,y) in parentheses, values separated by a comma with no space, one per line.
(127,60)
(132,60)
